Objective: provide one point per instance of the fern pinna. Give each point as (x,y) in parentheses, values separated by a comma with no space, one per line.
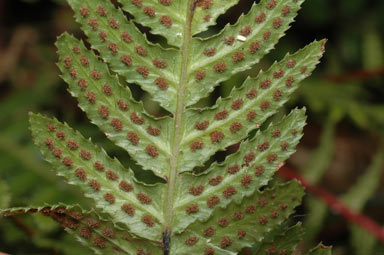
(220,210)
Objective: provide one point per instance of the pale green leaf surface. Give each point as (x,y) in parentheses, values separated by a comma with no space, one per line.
(252,155)
(242,54)
(145,60)
(68,161)
(206,15)
(283,240)
(249,105)
(91,229)
(176,11)
(269,213)
(120,125)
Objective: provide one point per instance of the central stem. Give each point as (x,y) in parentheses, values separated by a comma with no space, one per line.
(174,159)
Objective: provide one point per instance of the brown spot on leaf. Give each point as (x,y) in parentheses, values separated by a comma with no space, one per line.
(237,104)
(99,242)
(221,115)
(246,180)
(199,76)
(210,231)
(143,71)
(265,84)
(127,60)
(67,162)
(255,46)
(113,23)
(220,67)
(196,191)
(251,115)
(125,186)
(210,52)
(95,185)
(216,136)
(93,24)
(277,23)
(194,208)
(230,191)
(212,201)
(161,83)
(86,155)
(150,11)
(202,125)
(103,111)
(166,21)
(225,242)
(259,170)
(191,241)
(110,198)
(111,175)
(147,220)
(153,131)
(152,151)
(264,105)
(246,31)
(286,10)
(101,11)
(223,222)
(117,124)
(133,138)
(238,56)
(84,11)
(81,174)
(83,84)
(122,105)
(252,93)
(261,17)
(216,180)
(233,169)
(196,145)
(57,153)
(129,209)
(143,198)
(72,144)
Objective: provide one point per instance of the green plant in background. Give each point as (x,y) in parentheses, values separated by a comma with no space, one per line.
(218,211)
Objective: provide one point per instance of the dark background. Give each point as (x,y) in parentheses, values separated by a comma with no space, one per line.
(341,151)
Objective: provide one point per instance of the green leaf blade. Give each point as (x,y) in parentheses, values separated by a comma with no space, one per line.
(252,167)
(283,240)
(91,229)
(111,107)
(165,17)
(232,118)
(207,12)
(155,69)
(231,229)
(238,46)
(113,188)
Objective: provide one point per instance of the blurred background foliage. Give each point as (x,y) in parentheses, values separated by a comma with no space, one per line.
(342,150)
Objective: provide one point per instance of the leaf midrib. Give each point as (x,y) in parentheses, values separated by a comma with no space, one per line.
(178,119)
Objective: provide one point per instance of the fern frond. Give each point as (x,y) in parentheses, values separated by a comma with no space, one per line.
(111,107)
(113,188)
(246,108)
(246,171)
(92,229)
(241,225)
(219,211)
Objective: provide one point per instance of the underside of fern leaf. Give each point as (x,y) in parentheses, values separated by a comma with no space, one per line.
(220,210)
